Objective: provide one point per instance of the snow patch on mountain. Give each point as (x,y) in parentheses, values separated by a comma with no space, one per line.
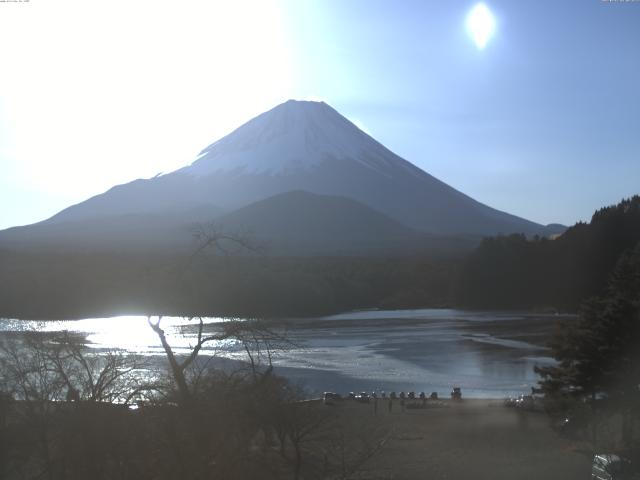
(292,137)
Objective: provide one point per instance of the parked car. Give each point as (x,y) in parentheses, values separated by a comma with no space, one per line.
(525,402)
(330,398)
(362,397)
(609,466)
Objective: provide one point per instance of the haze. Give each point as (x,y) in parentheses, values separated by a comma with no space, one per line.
(541,122)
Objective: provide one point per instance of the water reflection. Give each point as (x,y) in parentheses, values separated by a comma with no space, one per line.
(129,332)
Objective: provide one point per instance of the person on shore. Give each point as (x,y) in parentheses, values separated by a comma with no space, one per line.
(73,395)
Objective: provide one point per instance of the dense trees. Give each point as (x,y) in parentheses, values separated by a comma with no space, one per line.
(597,376)
(599,353)
(90,285)
(593,269)
(516,272)
(504,272)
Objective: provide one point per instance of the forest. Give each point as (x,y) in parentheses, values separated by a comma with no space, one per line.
(549,274)
(77,285)
(503,272)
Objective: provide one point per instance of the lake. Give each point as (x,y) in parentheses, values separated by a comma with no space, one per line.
(487,354)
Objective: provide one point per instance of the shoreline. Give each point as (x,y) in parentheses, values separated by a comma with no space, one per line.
(490,355)
(298,317)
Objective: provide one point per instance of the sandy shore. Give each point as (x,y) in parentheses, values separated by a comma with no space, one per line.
(472,439)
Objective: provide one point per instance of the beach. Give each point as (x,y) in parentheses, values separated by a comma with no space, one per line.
(470,439)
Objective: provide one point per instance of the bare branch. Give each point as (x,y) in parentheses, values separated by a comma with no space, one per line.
(212,237)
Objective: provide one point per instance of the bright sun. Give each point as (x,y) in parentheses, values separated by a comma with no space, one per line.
(481,25)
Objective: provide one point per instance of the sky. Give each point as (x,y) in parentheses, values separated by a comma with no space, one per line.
(542,122)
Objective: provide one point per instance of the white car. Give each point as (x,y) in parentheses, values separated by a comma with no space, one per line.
(609,466)
(330,398)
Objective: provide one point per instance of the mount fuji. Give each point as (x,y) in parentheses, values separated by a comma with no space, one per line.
(298,168)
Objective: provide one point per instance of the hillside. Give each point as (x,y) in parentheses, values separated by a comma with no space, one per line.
(516,272)
(307,223)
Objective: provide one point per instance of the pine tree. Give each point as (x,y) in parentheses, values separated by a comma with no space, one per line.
(599,352)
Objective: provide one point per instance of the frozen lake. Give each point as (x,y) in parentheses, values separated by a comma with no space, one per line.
(487,354)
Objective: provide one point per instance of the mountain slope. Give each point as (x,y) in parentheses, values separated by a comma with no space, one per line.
(131,232)
(303,222)
(310,146)
(295,146)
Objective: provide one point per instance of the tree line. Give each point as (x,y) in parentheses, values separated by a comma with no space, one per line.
(78,285)
(597,375)
(594,270)
(517,272)
(503,272)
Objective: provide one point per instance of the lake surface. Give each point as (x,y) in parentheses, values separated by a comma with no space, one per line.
(487,354)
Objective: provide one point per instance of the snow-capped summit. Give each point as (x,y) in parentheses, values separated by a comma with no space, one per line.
(294,136)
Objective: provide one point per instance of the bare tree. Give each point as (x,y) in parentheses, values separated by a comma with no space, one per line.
(179,366)
(226,412)
(255,337)
(94,376)
(211,237)
(258,340)
(50,437)
(296,425)
(347,451)
(26,375)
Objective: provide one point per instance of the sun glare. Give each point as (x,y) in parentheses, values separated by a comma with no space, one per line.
(481,25)
(115,107)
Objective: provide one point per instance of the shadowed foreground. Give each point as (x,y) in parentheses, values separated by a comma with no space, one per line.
(472,439)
